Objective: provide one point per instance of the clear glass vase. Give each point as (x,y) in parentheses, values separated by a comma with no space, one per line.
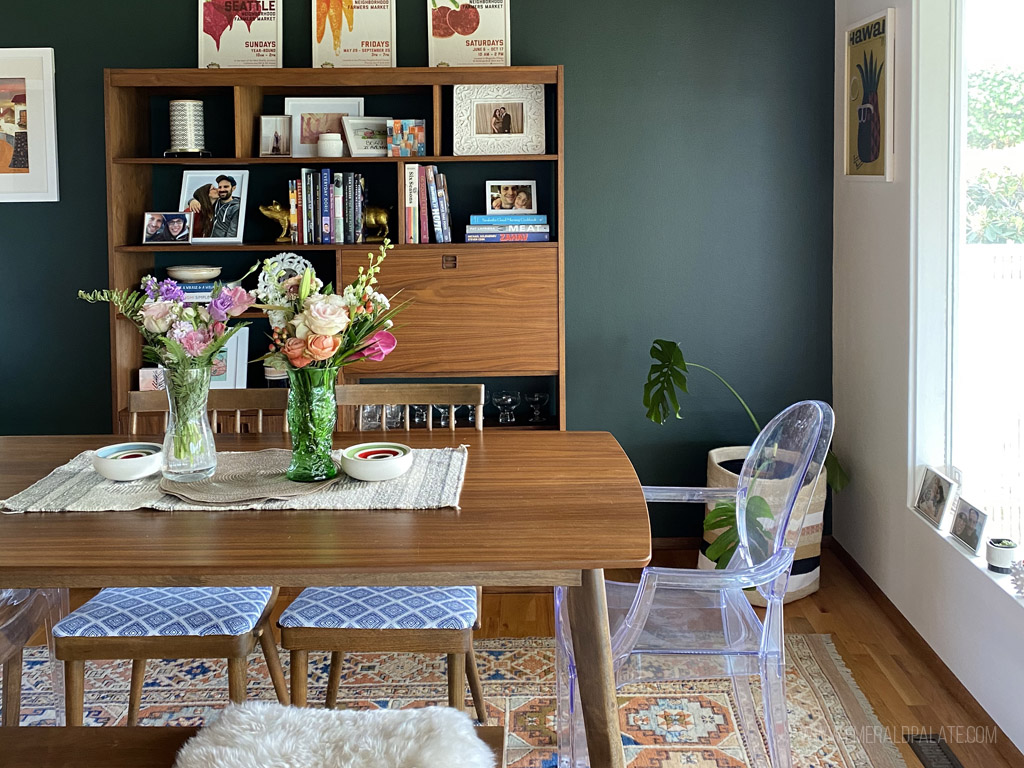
(189,451)
(312,414)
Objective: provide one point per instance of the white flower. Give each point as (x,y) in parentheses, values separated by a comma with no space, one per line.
(326,315)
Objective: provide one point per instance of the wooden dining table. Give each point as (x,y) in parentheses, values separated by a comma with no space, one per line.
(538,507)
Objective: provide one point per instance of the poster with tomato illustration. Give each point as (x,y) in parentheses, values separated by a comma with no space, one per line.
(353,33)
(240,33)
(468,34)
(869,80)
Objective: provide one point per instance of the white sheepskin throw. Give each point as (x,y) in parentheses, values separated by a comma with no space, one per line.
(269,735)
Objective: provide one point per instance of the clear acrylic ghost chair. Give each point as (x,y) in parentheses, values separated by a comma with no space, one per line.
(685,624)
(22,613)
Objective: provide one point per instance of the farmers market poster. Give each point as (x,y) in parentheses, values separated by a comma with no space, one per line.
(240,33)
(868,144)
(353,33)
(468,34)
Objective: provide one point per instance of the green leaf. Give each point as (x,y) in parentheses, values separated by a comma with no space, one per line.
(835,475)
(666,374)
(719,545)
(758,508)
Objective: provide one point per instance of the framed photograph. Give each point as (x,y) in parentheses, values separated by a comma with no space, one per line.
(968,526)
(366,136)
(239,34)
(935,496)
(505,197)
(468,34)
(217,202)
(353,33)
(312,116)
(151,379)
(28,126)
(231,363)
(166,228)
(499,119)
(868,118)
(275,136)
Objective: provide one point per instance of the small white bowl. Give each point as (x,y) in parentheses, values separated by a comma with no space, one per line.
(193,272)
(128,461)
(376,461)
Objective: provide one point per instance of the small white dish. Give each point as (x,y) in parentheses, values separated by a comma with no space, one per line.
(376,461)
(128,461)
(193,272)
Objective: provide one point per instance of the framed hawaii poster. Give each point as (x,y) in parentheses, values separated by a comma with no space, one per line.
(353,33)
(868,99)
(28,126)
(239,33)
(461,34)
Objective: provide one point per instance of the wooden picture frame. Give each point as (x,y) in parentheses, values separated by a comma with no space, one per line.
(935,496)
(366,136)
(868,98)
(498,119)
(28,126)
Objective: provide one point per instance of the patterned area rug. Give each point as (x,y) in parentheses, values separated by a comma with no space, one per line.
(664,725)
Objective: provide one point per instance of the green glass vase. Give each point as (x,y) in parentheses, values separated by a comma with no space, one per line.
(312,414)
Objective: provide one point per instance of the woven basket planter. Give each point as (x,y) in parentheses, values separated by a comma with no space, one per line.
(806,572)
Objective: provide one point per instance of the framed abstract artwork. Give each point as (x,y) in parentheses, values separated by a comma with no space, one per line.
(28,126)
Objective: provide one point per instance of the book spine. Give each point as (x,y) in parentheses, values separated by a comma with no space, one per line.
(424,207)
(350,193)
(509,237)
(491,219)
(435,209)
(326,219)
(358,215)
(412,199)
(482,229)
(293,217)
(307,196)
(338,202)
(300,213)
(442,203)
(204,287)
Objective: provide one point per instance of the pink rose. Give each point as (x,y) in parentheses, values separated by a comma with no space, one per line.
(377,347)
(218,329)
(295,350)
(195,342)
(321,347)
(157,316)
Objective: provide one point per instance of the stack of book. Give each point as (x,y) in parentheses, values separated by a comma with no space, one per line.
(326,208)
(427,210)
(508,228)
(197,293)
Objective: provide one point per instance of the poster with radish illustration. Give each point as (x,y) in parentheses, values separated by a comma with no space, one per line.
(353,33)
(468,34)
(869,81)
(240,33)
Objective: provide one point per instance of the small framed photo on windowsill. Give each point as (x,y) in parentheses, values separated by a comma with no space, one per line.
(935,496)
(275,136)
(968,526)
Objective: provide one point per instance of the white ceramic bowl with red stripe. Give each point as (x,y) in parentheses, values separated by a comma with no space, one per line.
(376,461)
(128,461)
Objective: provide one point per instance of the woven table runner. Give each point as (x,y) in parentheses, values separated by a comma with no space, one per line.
(434,481)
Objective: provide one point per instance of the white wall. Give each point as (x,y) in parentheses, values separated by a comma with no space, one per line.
(886,425)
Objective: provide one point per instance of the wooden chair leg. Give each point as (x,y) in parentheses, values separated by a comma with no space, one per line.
(457,680)
(135,692)
(274,664)
(300,675)
(74,691)
(237,673)
(334,680)
(475,687)
(12,689)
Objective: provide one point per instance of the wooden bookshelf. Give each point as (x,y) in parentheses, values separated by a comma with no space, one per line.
(476,310)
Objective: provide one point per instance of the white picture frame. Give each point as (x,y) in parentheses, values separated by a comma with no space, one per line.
(166,228)
(230,367)
(366,136)
(503,119)
(935,496)
(275,134)
(369,43)
(28,126)
(192,185)
(861,43)
(313,115)
(497,192)
(968,527)
(468,35)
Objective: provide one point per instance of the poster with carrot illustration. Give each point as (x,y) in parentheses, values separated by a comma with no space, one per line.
(353,33)
(468,33)
(240,33)
(869,78)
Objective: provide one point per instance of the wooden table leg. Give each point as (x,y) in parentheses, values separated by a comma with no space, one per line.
(588,618)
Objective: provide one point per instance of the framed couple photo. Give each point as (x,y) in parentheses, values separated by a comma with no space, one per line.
(510,196)
(167,228)
(215,200)
(935,496)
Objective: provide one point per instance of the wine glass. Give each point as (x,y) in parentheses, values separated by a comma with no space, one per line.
(506,401)
(419,415)
(441,415)
(536,400)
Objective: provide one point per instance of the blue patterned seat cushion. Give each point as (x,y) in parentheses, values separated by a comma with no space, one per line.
(167,611)
(382,608)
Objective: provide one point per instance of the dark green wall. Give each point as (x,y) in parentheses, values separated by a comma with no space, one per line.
(698,201)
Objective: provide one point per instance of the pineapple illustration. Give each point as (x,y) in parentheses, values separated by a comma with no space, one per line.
(869,129)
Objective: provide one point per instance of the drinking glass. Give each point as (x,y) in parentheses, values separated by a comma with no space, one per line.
(393,416)
(537,400)
(369,417)
(419,415)
(506,401)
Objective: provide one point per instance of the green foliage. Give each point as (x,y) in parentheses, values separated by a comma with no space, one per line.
(995,108)
(995,207)
(723,518)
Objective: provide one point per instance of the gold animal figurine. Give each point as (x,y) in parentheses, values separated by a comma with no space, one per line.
(281,215)
(374,216)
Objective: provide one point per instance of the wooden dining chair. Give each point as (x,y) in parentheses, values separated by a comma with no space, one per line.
(404,619)
(231,402)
